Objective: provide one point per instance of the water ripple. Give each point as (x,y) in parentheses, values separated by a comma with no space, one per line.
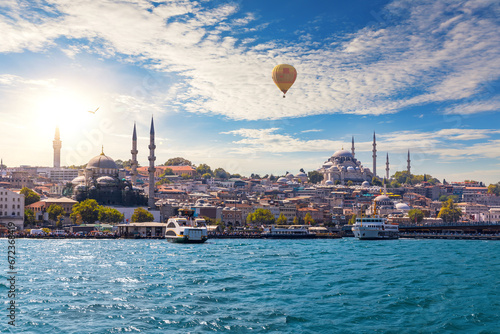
(261,286)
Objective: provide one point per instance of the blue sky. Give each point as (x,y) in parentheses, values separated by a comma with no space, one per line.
(423,75)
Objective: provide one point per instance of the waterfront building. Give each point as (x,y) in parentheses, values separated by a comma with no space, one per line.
(11,208)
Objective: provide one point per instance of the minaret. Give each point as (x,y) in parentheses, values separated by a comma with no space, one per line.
(352,147)
(134,157)
(57,144)
(409,166)
(387,167)
(374,155)
(151,169)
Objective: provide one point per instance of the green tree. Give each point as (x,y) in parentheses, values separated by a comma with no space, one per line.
(308,219)
(235,176)
(110,215)
(207,176)
(261,216)
(29,217)
(376,181)
(350,183)
(296,220)
(54,211)
(30,196)
(178,161)
(444,198)
(416,215)
(141,215)
(281,220)
(86,211)
(220,173)
(352,220)
(315,176)
(167,171)
(449,213)
(395,184)
(494,189)
(186,176)
(204,169)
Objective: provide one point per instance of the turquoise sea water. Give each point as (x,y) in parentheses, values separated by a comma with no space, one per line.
(255,286)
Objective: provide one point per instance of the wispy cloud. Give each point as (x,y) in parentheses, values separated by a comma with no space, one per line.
(430,52)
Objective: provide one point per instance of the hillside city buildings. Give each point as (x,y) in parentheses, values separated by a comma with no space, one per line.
(345,190)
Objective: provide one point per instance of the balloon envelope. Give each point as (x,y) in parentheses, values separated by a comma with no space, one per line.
(284,76)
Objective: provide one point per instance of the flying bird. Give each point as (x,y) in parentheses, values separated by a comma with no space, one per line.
(93,112)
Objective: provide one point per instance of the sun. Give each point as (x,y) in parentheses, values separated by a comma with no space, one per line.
(66,109)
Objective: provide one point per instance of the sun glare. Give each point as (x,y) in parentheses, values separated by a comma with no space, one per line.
(69,111)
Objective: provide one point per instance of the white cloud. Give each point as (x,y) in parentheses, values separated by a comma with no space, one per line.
(439,50)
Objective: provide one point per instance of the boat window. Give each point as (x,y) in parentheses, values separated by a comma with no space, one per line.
(171,225)
(170,233)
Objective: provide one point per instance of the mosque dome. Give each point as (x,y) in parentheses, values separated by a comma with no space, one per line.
(365,184)
(102,161)
(382,198)
(342,154)
(106,180)
(328,164)
(289,176)
(402,206)
(282,180)
(351,169)
(329,183)
(78,180)
(301,174)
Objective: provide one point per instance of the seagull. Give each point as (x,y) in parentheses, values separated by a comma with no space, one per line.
(93,112)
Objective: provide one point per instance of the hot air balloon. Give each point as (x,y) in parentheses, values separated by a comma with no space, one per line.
(284,76)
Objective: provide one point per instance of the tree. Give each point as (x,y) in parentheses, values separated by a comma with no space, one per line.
(220,173)
(261,216)
(54,211)
(350,183)
(444,198)
(376,181)
(449,213)
(315,176)
(30,196)
(352,220)
(416,215)
(204,169)
(167,171)
(178,161)
(494,189)
(308,219)
(186,176)
(395,184)
(296,220)
(235,176)
(86,211)
(207,176)
(110,215)
(141,215)
(29,217)
(281,220)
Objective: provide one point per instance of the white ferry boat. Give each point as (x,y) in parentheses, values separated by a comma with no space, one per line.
(373,228)
(291,232)
(186,229)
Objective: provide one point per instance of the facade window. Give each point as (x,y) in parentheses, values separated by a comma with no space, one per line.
(13,206)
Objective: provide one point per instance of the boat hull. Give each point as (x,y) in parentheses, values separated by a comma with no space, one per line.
(282,236)
(186,240)
(367,234)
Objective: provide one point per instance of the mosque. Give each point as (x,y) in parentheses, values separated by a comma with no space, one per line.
(103,181)
(343,167)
